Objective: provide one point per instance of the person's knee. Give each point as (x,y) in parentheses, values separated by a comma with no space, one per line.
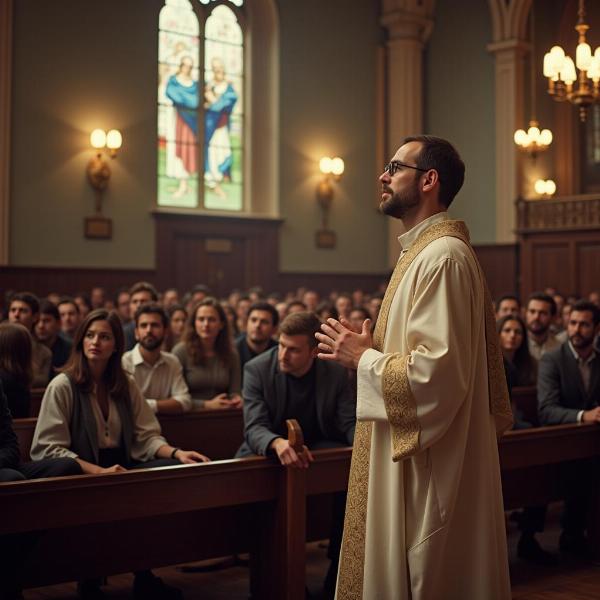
(11,475)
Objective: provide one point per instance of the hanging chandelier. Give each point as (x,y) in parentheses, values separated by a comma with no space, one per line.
(533,141)
(564,83)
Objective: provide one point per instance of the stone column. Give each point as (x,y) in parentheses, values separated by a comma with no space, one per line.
(408,31)
(6,24)
(510,57)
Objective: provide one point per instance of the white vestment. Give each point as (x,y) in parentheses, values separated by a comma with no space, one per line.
(434,515)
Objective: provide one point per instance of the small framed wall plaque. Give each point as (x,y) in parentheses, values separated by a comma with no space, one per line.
(98,228)
(325,238)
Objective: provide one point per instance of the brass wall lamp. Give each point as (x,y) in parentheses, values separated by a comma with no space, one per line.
(332,170)
(98,173)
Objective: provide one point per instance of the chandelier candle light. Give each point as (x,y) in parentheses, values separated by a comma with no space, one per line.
(533,141)
(560,70)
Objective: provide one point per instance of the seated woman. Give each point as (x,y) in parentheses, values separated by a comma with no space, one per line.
(211,365)
(16,367)
(177,319)
(513,342)
(94,413)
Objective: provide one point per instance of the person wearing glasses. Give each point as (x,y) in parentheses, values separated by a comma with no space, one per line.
(424,517)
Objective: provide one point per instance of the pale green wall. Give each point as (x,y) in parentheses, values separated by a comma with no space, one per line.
(328,59)
(80,64)
(77,66)
(460,105)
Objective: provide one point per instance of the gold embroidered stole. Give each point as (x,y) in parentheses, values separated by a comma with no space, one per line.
(404,426)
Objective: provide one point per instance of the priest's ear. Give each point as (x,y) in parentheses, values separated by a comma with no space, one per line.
(430,180)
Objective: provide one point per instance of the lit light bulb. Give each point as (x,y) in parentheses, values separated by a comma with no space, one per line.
(114,139)
(540,187)
(583,56)
(337,166)
(545,137)
(98,138)
(550,187)
(534,134)
(568,73)
(521,138)
(325,165)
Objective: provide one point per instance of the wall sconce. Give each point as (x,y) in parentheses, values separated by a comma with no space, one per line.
(545,188)
(332,169)
(98,173)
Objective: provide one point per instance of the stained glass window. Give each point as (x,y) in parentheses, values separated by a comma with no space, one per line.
(195,102)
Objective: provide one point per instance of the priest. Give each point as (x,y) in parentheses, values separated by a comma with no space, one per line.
(424,516)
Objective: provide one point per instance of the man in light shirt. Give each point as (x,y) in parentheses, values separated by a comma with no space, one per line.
(158,374)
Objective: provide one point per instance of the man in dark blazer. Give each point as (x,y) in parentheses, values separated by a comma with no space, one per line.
(287,382)
(569,392)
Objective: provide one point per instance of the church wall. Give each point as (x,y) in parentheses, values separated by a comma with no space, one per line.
(459,92)
(81,65)
(328,69)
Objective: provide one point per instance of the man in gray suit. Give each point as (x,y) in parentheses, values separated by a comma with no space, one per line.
(569,392)
(287,382)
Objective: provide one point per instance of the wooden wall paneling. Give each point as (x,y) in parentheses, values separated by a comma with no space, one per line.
(500,266)
(552,265)
(69,280)
(588,265)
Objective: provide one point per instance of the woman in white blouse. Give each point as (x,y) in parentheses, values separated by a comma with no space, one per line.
(93,412)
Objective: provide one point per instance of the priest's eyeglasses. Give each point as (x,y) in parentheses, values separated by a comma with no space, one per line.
(394,165)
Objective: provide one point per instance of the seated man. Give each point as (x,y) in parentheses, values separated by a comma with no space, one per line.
(569,392)
(47,331)
(288,382)
(260,329)
(158,374)
(70,317)
(24,308)
(140,293)
(539,314)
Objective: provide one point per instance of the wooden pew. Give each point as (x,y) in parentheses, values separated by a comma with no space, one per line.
(95,525)
(524,399)
(217,433)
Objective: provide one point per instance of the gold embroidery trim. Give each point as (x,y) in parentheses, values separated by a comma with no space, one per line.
(352,555)
(401,408)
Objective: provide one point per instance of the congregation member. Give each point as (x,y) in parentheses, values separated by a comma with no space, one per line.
(70,317)
(98,297)
(47,331)
(14,548)
(140,293)
(54,297)
(569,392)
(357,317)
(374,306)
(326,310)
(122,300)
(241,311)
(521,370)
(84,303)
(95,414)
(507,305)
(170,298)
(232,320)
(24,308)
(177,320)
(157,374)
(295,306)
(287,382)
(515,349)
(211,364)
(539,314)
(198,293)
(262,326)
(15,367)
(311,300)
(343,305)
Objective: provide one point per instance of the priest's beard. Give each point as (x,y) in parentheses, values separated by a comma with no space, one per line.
(400,203)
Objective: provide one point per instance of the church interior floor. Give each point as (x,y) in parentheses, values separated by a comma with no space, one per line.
(570,580)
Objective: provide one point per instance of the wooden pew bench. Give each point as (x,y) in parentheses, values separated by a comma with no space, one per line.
(214,432)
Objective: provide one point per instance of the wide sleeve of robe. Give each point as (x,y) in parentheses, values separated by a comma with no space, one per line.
(420,391)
